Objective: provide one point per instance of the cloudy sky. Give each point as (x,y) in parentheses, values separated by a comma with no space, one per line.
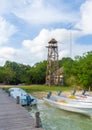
(26,27)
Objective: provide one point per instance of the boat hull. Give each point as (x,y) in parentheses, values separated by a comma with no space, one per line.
(77,108)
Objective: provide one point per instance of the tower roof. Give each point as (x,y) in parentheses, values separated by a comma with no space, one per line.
(52,41)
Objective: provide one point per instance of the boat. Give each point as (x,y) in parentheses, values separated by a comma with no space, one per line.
(69,105)
(24,97)
(83,97)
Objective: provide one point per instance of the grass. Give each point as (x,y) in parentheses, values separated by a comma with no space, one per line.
(41,88)
(44,88)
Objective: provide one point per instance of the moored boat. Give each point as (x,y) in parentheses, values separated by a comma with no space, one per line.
(24,97)
(70,105)
(84,98)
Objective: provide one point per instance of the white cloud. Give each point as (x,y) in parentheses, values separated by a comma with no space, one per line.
(6,30)
(6,53)
(79,50)
(85,23)
(33,51)
(4,4)
(37,47)
(38,12)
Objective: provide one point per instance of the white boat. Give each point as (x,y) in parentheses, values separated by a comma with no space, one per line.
(68,105)
(84,98)
(25,98)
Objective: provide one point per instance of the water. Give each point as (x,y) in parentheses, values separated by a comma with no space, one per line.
(57,119)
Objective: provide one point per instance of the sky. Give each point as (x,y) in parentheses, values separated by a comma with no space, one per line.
(26,27)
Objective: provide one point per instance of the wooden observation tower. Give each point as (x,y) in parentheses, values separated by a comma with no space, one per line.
(52,63)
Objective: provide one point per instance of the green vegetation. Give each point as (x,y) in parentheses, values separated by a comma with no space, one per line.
(77,73)
(41,88)
(44,88)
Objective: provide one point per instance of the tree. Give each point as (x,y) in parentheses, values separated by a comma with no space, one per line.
(82,70)
(38,73)
(75,72)
(67,70)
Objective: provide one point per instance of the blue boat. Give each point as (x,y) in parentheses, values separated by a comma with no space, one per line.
(24,97)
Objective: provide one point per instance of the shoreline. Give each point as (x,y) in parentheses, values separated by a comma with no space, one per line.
(41,95)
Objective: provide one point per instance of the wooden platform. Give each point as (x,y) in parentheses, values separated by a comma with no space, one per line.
(13,116)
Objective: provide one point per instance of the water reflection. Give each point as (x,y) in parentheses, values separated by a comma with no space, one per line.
(56,119)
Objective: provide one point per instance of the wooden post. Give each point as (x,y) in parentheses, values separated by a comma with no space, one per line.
(18,100)
(38,120)
(3,88)
(8,93)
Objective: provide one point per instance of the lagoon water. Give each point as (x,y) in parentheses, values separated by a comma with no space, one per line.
(57,119)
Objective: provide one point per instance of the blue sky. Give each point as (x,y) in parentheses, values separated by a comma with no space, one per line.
(26,26)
